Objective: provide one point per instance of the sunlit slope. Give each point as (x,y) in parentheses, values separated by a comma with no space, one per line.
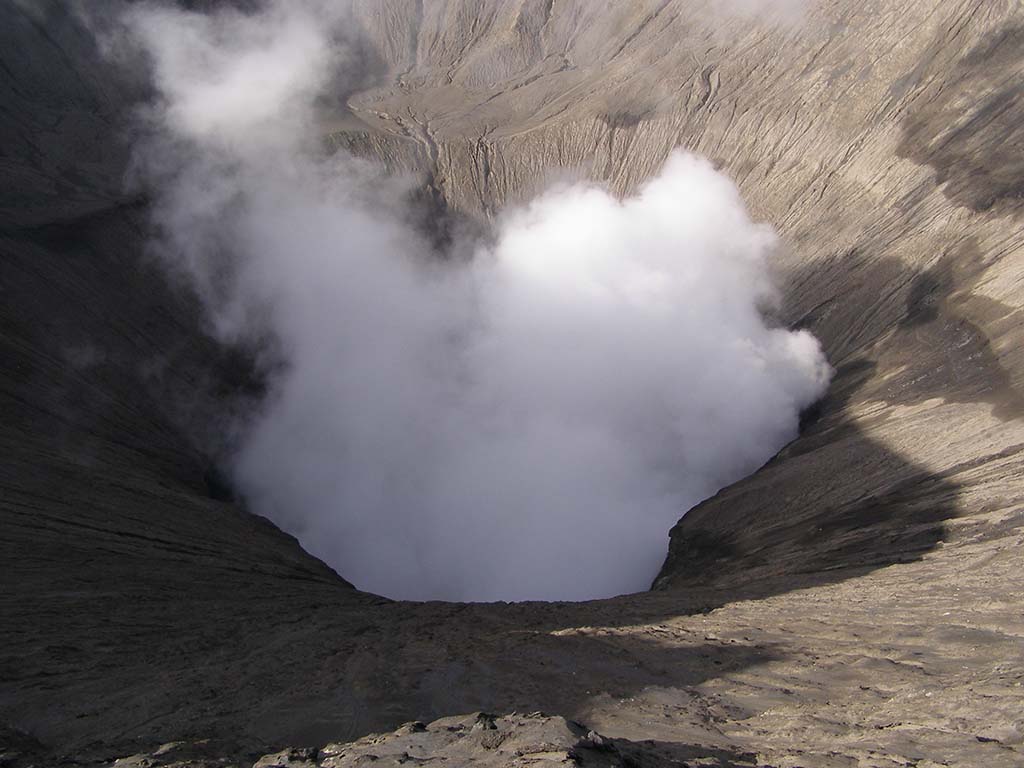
(882,139)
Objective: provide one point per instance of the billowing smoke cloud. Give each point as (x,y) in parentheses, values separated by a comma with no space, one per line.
(525,425)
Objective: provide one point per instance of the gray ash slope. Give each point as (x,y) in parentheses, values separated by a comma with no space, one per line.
(855,602)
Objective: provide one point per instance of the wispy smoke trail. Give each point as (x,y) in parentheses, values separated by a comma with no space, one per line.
(529,425)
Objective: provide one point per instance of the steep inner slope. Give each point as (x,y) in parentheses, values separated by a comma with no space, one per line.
(866,581)
(882,140)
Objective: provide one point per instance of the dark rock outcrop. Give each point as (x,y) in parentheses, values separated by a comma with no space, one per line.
(472,740)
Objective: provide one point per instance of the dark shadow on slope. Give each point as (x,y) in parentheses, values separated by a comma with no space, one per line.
(340,674)
(664,753)
(836,502)
(970,126)
(945,315)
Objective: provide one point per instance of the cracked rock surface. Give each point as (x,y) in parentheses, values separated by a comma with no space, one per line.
(482,739)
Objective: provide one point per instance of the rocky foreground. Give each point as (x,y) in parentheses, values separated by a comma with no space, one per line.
(857,602)
(916,664)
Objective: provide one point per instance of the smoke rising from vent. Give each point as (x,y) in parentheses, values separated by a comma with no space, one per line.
(525,425)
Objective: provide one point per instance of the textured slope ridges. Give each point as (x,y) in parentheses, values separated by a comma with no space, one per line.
(882,139)
(121,559)
(856,602)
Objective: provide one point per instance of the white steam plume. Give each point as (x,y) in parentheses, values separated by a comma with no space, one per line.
(527,426)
